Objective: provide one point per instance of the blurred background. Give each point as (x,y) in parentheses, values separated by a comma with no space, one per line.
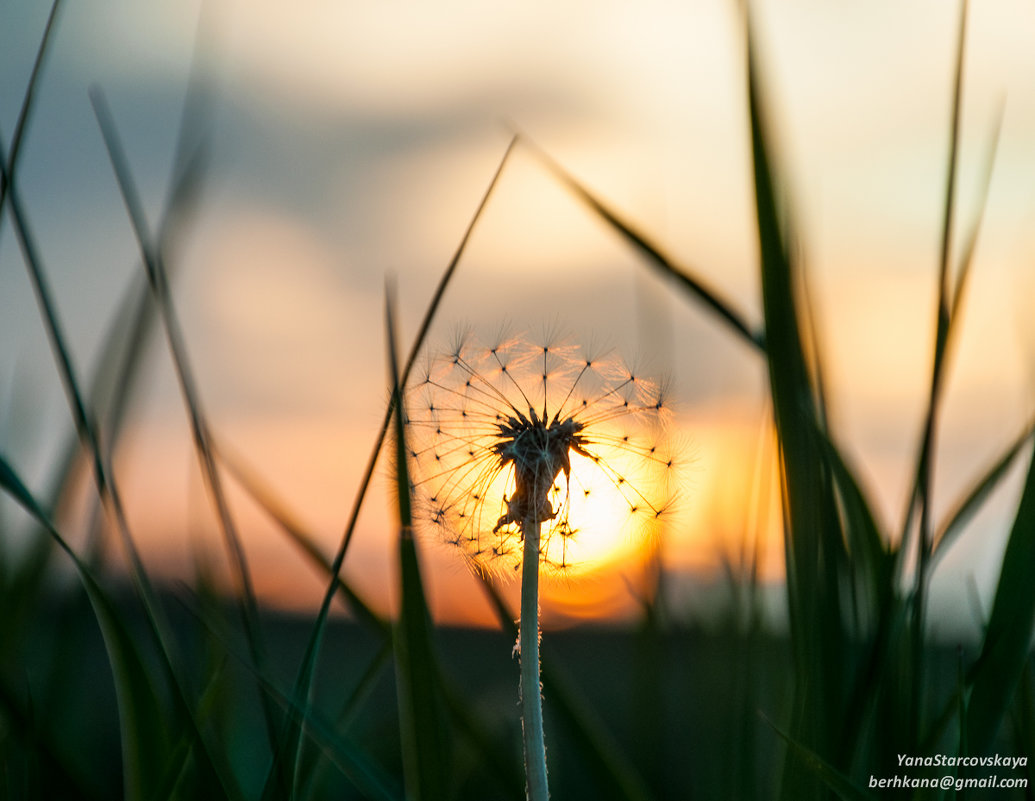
(351,144)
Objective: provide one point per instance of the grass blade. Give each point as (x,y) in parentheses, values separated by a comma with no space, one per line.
(695,286)
(425,741)
(823,770)
(159,283)
(307,669)
(978,494)
(28,101)
(144,739)
(817,564)
(1004,651)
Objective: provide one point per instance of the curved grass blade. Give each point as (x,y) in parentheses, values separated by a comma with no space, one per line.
(467,723)
(159,283)
(424,734)
(144,739)
(840,784)
(362,770)
(306,670)
(667,266)
(978,494)
(1007,642)
(28,101)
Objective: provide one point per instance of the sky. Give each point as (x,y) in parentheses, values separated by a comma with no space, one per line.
(351,145)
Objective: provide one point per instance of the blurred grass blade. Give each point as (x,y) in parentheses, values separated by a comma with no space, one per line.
(978,494)
(461,715)
(617,776)
(308,667)
(144,738)
(28,102)
(296,533)
(829,775)
(365,774)
(159,283)
(683,277)
(1007,642)
(920,495)
(424,734)
(817,564)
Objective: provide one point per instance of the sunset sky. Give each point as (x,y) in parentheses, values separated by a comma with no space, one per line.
(352,144)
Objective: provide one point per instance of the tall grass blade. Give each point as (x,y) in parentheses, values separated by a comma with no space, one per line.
(352,761)
(307,669)
(425,739)
(87,432)
(144,739)
(814,546)
(979,492)
(260,492)
(683,277)
(159,283)
(28,101)
(1008,637)
(834,779)
(465,721)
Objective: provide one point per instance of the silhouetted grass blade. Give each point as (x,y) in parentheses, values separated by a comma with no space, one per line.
(144,738)
(655,257)
(1007,641)
(425,736)
(308,666)
(979,492)
(28,101)
(834,779)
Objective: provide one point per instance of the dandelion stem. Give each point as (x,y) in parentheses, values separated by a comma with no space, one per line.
(528,641)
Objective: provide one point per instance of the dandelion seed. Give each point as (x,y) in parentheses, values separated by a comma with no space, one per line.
(513,430)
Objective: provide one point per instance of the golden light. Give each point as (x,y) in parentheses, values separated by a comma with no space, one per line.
(605,529)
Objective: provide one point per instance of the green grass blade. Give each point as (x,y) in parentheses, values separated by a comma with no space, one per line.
(159,283)
(817,564)
(425,738)
(979,492)
(260,492)
(307,669)
(362,770)
(683,277)
(1007,641)
(144,738)
(28,101)
(466,722)
(840,784)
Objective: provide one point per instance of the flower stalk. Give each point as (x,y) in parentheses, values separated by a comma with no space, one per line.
(533,739)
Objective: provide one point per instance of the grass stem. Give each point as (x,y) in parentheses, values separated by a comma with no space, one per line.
(528,640)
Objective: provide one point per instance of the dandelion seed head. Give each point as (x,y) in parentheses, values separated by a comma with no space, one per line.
(540,431)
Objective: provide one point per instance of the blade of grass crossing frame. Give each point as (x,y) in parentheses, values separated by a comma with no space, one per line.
(307,668)
(980,491)
(353,762)
(1007,641)
(158,281)
(834,779)
(87,432)
(814,548)
(640,242)
(424,734)
(144,743)
(462,717)
(28,101)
